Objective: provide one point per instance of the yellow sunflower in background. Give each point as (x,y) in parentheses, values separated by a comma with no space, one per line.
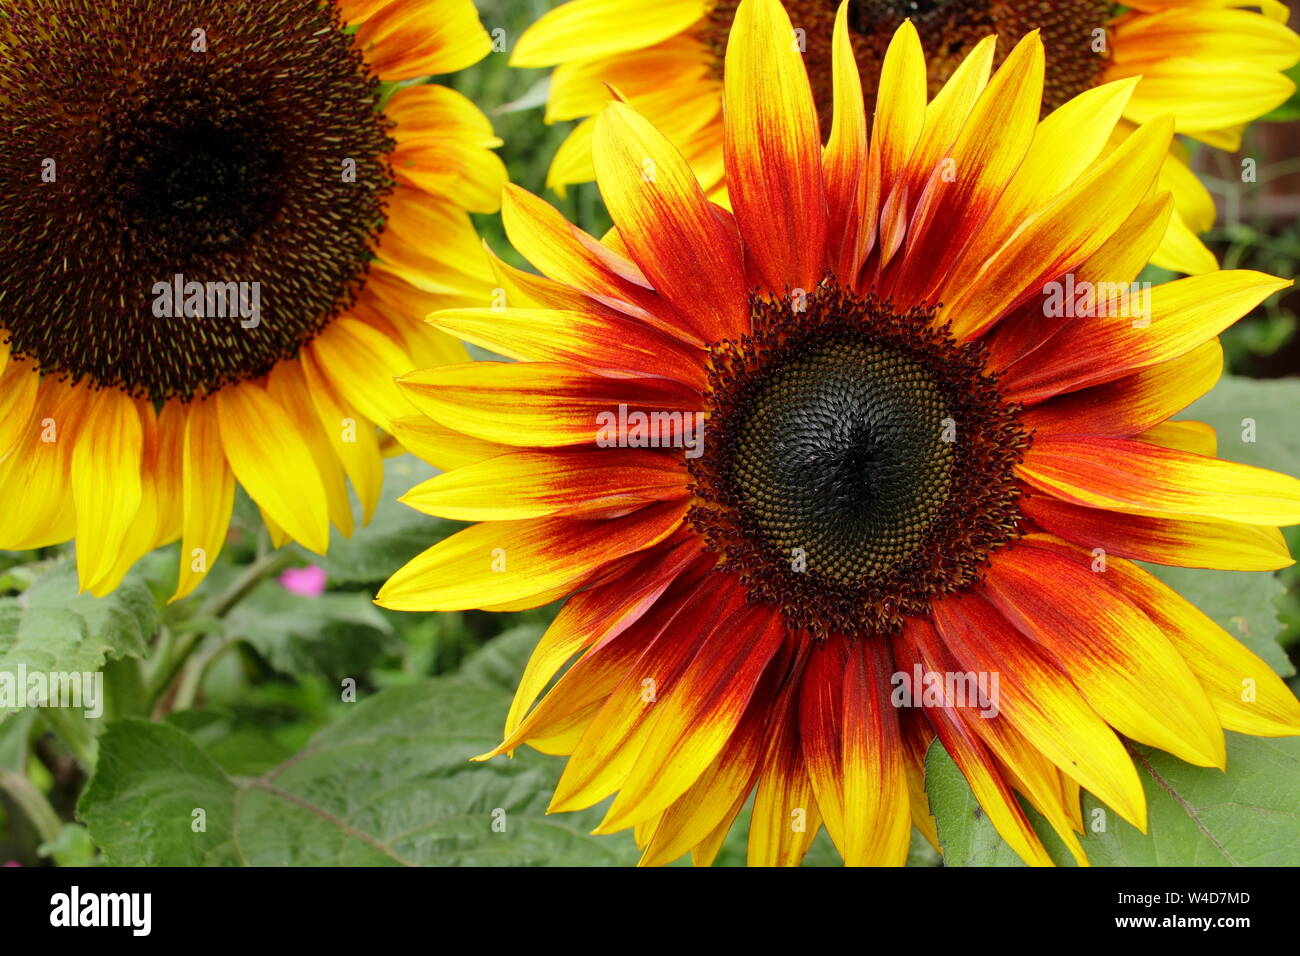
(214,262)
(1210,63)
(771,471)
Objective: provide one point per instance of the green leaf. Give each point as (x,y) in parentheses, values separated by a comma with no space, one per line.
(140,804)
(395,535)
(501,661)
(49,627)
(264,725)
(1197,816)
(13,740)
(389,784)
(965,835)
(72,846)
(333,633)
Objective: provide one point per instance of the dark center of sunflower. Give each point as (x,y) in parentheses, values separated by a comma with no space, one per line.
(841,454)
(859,462)
(193,190)
(949,30)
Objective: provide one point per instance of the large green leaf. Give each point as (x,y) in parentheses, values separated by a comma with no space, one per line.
(338,632)
(1197,816)
(501,661)
(389,784)
(49,627)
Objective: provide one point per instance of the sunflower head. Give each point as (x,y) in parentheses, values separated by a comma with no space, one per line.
(1073,33)
(186,164)
(834,482)
(911,459)
(214,260)
(1213,66)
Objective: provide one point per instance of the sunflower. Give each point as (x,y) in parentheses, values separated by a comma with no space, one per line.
(222,220)
(1211,64)
(772,472)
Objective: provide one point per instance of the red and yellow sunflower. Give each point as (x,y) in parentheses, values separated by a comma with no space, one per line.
(778,456)
(215,262)
(1215,65)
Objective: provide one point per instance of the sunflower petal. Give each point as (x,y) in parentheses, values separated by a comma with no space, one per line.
(539,484)
(619,732)
(1040,702)
(693,723)
(844,160)
(1119,661)
(209,495)
(106,484)
(1184,314)
(273,463)
(584,29)
(498,561)
(585,339)
(1139,478)
(1247,696)
(412,38)
(1184,543)
(351,436)
(686,251)
(537,403)
(1132,404)
(772,149)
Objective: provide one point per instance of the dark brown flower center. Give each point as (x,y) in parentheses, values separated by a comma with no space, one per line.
(192,189)
(949,30)
(858,462)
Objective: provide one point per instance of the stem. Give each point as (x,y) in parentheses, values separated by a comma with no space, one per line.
(71,728)
(197,672)
(216,608)
(35,807)
(254,574)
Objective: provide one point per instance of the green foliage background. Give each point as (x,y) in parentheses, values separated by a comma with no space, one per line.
(227,738)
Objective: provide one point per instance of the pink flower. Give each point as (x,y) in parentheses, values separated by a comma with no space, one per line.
(308,581)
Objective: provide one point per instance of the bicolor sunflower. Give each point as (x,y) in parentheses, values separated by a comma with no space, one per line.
(777,457)
(224,223)
(1212,64)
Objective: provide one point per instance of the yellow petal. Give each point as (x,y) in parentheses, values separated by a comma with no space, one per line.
(585,29)
(105,483)
(209,494)
(273,463)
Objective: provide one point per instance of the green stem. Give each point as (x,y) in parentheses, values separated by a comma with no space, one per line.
(72,729)
(197,672)
(216,608)
(33,804)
